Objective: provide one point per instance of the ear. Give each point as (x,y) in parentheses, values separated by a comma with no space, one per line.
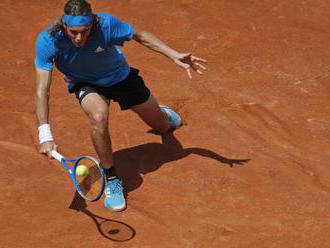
(65,27)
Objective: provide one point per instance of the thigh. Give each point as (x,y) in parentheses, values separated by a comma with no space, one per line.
(93,104)
(152,115)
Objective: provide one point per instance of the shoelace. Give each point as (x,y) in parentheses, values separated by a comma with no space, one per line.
(113,187)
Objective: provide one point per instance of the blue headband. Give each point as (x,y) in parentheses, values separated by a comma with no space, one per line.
(78,20)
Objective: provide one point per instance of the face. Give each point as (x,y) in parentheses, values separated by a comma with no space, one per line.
(78,35)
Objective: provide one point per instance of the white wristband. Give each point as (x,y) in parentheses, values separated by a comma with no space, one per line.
(45,134)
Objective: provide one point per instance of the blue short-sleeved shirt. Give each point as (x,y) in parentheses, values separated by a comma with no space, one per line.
(98,62)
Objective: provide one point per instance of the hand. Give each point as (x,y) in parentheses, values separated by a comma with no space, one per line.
(188,61)
(47,147)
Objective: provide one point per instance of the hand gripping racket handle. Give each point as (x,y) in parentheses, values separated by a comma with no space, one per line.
(57,156)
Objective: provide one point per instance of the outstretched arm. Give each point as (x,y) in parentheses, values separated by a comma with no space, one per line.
(185,60)
(43,81)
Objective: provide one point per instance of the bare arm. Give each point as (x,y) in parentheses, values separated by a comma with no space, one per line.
(185,60)
(154,43)
(43,82)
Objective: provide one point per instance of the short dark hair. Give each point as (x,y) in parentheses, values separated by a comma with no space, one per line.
(75,7)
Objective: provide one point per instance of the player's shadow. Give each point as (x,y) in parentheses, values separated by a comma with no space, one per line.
(113,230)
(142,159)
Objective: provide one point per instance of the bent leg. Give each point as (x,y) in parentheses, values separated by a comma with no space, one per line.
(97,109)
(152,115)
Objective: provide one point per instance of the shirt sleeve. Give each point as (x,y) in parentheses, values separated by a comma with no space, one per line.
(45,52)
(118,31)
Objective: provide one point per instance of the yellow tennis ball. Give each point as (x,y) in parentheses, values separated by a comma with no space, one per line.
(81,170)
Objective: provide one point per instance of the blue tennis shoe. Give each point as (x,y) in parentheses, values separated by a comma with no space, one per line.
(114,196)
(173,118)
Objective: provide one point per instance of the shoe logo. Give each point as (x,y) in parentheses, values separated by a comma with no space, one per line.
(81,93)
(99,49)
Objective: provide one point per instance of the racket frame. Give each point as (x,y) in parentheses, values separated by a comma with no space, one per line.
(72,172)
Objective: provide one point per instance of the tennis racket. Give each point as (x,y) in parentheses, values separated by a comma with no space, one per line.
(91,185)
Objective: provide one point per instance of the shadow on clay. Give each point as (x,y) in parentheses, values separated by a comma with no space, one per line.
(142,159)
(113,230)
(137,160)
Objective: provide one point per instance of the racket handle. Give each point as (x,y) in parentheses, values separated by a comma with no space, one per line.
(56,155)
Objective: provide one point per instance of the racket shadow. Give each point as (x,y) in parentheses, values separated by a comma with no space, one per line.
(142,159)
(113,230)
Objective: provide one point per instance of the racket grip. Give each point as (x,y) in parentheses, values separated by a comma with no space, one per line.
(56,155)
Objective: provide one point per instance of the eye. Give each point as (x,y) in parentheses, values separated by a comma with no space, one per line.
(76,32)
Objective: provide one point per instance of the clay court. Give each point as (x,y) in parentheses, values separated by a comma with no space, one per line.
(250,166)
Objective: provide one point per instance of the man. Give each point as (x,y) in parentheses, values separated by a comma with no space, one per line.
(82,45)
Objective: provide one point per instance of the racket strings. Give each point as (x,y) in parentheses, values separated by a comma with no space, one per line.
(91,183)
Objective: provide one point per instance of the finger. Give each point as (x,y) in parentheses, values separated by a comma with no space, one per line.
(199,72)
(49,154)
(189,73)
(49,151)
(194,58)
(186,66)
(196,69)
(201,66)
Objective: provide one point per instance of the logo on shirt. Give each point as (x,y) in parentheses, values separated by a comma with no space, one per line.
(99,49)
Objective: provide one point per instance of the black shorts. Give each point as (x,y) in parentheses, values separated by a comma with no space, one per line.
(129,92)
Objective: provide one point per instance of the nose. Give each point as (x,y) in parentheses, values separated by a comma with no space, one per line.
(78,37)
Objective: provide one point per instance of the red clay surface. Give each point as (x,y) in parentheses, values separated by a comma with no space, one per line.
(265,97)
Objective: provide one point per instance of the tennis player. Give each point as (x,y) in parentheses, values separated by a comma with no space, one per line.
(84,46)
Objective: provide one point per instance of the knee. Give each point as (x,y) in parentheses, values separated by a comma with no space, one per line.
(99,120)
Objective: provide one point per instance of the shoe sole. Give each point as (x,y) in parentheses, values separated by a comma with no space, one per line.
(118,209)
